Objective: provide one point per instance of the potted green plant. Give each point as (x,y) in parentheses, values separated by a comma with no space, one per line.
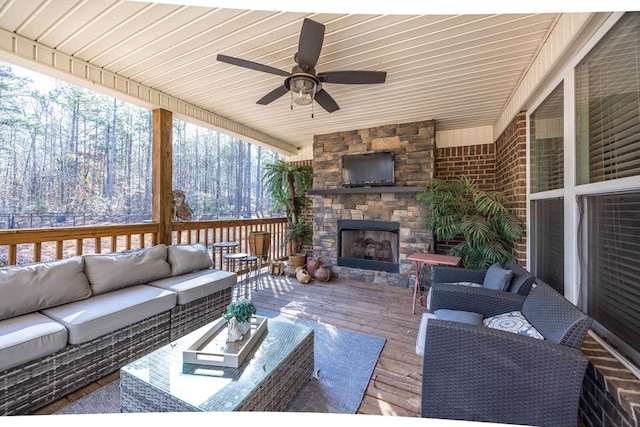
(287,184)
(238,317)
(460,211)
(242,309)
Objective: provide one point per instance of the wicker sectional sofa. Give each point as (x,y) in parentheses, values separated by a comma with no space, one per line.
(67,323)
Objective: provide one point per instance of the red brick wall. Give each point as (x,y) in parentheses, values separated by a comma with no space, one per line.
(511,173)
(499,166)
(475,161)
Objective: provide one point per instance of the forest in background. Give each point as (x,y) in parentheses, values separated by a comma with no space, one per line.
(71,156)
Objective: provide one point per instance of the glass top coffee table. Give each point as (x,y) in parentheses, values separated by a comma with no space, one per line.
(279,364)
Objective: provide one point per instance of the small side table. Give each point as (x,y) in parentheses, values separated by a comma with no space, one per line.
(232,259)
(223,248)
(431,259)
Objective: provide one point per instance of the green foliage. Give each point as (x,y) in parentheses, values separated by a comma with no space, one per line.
(286,184)
(458,209)
(242,309)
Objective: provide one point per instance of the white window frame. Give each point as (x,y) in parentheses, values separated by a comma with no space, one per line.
(571,192)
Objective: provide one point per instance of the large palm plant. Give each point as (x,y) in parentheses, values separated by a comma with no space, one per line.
(287,184)
(459,210)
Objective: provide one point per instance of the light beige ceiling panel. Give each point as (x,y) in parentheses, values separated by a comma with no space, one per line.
(182,41)
(136,32)
(152,38)
(78,24)
(13,17)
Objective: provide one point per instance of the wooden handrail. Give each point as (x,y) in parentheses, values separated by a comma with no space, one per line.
(65,242)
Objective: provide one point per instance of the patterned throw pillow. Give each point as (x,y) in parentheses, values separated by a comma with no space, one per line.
(514,322)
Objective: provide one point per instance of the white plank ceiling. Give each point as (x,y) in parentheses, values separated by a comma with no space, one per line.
(457,69)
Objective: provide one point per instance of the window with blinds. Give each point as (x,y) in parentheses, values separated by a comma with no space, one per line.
(607,104)
(547,241)
(546,140)
(613,266)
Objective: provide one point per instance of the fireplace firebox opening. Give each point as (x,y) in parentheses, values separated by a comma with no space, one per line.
(370,245)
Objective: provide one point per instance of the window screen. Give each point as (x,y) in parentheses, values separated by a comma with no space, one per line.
(613,264)
(548,241)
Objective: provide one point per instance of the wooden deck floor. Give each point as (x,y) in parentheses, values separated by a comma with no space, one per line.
(385,311)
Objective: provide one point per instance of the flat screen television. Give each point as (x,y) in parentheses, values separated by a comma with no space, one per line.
(368,169)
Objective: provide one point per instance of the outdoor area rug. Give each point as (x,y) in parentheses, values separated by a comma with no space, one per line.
(344,361)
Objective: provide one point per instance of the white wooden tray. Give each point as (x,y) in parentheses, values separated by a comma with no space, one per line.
(213,349)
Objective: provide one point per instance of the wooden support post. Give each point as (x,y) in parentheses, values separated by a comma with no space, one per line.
(162,173)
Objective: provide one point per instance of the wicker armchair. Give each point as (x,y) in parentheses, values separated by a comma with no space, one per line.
(454,296)
(520,283)
(476,373)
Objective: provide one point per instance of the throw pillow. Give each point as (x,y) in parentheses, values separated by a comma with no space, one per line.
(459,316)
(497,278)
(42,285)
(187,258)
(513,321)
(109,272)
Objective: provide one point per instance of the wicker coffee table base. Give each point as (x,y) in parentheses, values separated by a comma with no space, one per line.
(272,394)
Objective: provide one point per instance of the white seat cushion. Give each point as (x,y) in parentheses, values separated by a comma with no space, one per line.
(193,286)
(422,332)
(29,337)
(97,316)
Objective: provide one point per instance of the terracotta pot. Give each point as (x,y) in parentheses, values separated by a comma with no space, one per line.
(312,266)
(323,274)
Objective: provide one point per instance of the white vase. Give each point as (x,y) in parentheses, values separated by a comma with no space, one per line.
(244,326)
(235,329)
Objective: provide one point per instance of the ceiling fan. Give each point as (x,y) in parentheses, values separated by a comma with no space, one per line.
(303,82)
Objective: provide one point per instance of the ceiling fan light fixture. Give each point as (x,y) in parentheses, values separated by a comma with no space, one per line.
(303,89)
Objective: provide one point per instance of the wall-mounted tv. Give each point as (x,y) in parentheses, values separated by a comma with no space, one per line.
(368,169)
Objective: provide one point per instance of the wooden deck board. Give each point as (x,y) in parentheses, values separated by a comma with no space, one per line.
(381,310)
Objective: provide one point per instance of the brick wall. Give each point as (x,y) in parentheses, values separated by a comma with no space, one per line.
(610,392)
(511,173)
(475,161)
(500,166)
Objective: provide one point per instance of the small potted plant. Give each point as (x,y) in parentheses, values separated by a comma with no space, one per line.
(238,317)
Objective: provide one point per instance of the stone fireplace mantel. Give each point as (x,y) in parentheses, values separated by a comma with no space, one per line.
(369,190)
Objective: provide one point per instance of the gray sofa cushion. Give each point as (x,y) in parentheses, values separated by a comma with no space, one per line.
(459,316)
(29,337)
(497,278)
(109,272)
(43,285)
(192,286)
(101,314)
(188,258)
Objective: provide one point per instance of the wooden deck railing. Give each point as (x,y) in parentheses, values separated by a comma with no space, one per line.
(26,246)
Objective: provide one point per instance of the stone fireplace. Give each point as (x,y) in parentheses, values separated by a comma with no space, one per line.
(366,233)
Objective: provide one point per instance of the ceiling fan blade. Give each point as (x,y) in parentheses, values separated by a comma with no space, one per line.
(252,65)
(310,44)
(273,95)
(326,101)
(353,77)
